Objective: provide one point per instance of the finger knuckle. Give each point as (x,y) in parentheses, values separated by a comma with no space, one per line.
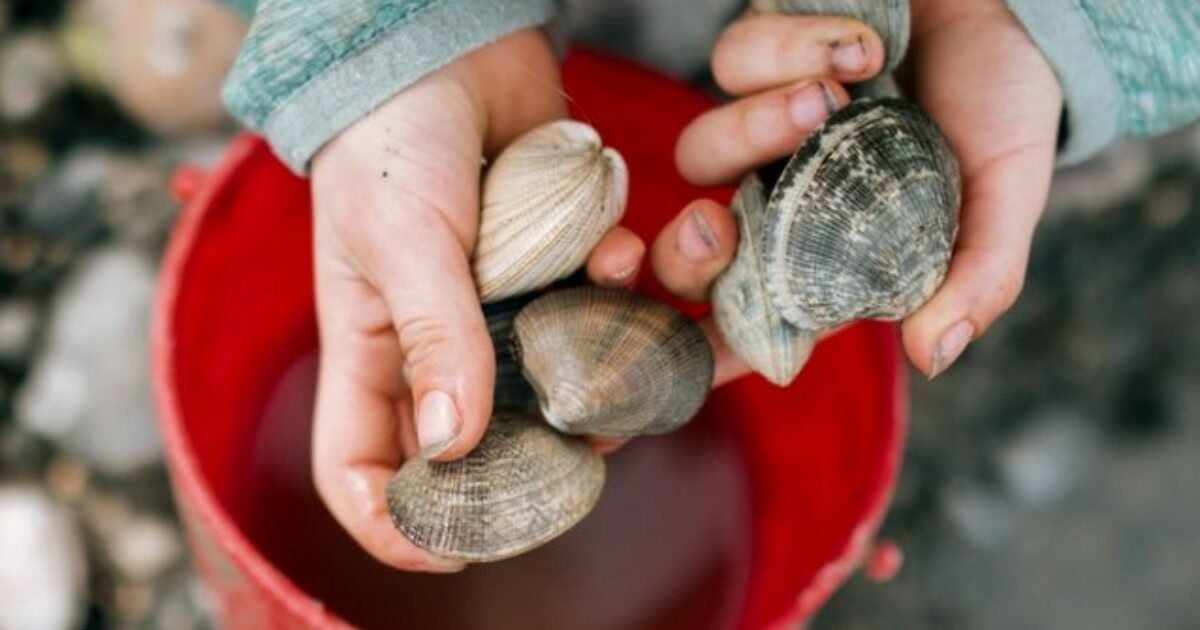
(725,63)
(786,48)
(763,125)
(428,340)
(1008,282)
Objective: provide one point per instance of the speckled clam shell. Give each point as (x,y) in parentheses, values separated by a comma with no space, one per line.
(612,363)
(863,218)
(890,18)
(522,486)
(743,310)
(547,200)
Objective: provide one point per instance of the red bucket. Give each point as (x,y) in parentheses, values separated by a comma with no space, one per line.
(750,517)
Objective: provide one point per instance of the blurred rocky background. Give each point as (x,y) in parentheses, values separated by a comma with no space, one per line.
(1051,475)
(92,125)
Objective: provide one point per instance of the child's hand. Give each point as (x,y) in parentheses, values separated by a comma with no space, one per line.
(406,362)
(974,70)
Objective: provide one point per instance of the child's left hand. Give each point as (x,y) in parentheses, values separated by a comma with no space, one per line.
(975,71)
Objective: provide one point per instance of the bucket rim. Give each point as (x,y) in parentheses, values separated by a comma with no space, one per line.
(183,465)
(862,539)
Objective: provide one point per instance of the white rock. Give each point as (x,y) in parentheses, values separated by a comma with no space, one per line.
(18,324)
(90,388)
(54,397)
(1047,460)
(145,548)
(43,568)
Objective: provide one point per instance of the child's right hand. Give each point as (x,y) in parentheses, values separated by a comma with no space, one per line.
(406,362)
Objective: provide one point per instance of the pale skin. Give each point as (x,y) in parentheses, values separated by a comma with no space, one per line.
(406,364)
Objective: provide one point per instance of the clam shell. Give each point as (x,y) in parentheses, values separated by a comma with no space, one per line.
(743,310)
(522,486)
(547,200)
(890,18)
(863,218)
(612,363)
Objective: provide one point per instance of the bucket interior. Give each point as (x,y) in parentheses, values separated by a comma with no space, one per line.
(750,515)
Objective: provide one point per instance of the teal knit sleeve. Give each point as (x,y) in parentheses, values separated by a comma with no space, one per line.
(1127,67)
(310,68)
(244,7)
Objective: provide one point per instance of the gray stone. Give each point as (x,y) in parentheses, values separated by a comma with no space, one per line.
(1045,462)
(18,326)
(67,202)
(144,548)
(32,72)
(90,388)
(983,517)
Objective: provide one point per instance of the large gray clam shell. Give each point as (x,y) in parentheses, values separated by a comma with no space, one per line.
(743,310)
(890,18)
(523,485)
(863,218)
(612,363)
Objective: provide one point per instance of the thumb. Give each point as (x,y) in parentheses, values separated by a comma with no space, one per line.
(449,363)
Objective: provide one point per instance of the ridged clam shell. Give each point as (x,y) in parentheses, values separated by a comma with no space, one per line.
(743,310)
(522,486)
(612,363)
(547,200)
(890,18)
(863,217)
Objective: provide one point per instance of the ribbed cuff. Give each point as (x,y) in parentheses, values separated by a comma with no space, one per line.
(1064,33)
(352,87)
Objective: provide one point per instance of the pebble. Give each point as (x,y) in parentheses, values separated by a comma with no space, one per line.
(184,604)
(66,204)
(67,479)
(1043,463)
(43,569)
(24,160)
(18,326)
(144,548)
(105,513)
(90,388)
(134,601)
(1168,205)
(984,517)
(32,72)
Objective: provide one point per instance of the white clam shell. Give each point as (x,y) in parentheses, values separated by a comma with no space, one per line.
(742,308)
(547,200)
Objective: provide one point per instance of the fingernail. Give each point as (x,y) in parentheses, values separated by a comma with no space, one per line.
(437,423)
(811,105)
(624,274)
(850,56)
(444,565)
(950,346)
(696,240)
